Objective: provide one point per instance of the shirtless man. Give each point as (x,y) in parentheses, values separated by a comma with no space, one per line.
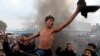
(46,35)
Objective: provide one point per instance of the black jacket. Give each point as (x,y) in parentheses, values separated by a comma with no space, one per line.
(94,54)
(9,52)
(65,52)
(27,48)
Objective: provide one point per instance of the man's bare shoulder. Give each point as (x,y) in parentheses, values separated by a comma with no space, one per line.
(42,29)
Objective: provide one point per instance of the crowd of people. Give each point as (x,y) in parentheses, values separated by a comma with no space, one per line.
(24,46)
(16,47)
(19,47)
(68,51)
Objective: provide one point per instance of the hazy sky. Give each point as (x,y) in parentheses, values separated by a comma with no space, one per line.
(13,12)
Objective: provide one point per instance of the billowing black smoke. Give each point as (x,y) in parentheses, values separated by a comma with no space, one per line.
(56,8)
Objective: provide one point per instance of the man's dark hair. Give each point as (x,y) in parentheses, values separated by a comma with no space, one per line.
(49,17)
(92,45)
(87,50)
(68,43)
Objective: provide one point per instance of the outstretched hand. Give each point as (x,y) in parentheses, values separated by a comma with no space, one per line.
(4,35)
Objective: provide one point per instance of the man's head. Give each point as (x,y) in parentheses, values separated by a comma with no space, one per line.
(69,46)
(49,21)
(1,52)
(92,46)
(88,52)
(15,47)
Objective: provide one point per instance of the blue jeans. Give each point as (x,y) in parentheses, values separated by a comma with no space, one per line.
(42,52)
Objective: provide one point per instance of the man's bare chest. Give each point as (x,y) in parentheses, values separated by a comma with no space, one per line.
(46,33)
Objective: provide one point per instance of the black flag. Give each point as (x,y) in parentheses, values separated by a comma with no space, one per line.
(84,9)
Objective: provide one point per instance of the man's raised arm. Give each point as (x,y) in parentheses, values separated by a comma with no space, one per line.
(68,21)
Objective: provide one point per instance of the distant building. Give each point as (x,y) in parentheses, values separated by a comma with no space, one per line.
(95,29)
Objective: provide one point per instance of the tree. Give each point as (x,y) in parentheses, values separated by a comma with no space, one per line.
(3,26)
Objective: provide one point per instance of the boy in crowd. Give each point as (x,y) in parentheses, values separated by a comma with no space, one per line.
(92,47)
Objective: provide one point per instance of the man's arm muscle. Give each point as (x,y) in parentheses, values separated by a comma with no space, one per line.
(33,36)
(68,21)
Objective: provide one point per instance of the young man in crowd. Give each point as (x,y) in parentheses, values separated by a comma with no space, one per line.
(1,52)
(46,35)
(14,50)
(67,52)
(87,52)
(92,47)
(26,46)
